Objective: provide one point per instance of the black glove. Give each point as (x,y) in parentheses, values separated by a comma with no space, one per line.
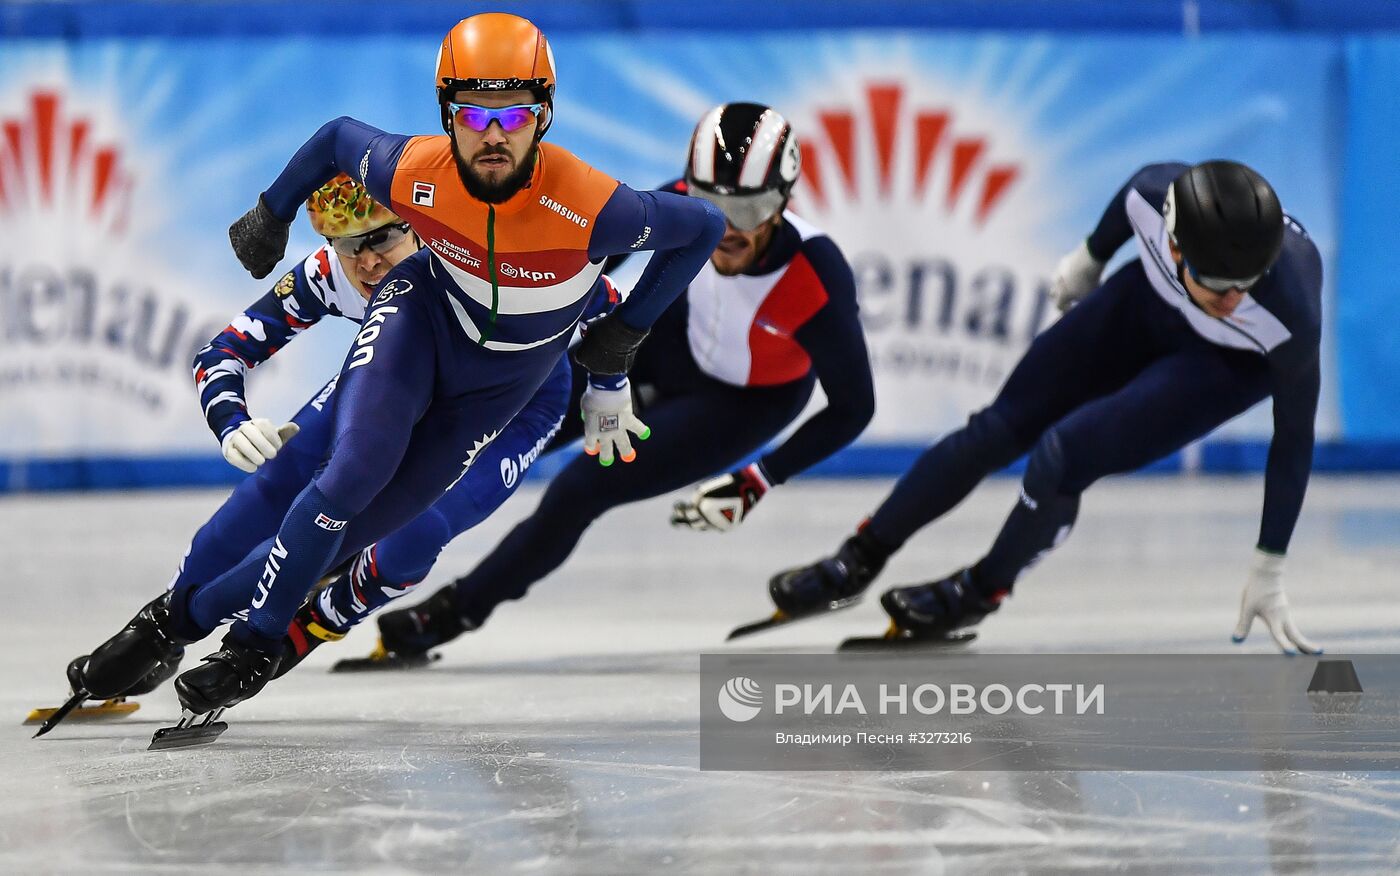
(609,345)
(259,240)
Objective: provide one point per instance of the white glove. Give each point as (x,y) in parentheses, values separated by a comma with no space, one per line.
(255,442)
(1076,275)
(607,418)
(1264,598)
(722,503)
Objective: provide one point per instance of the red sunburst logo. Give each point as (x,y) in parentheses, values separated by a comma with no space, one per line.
(52,163)
(889,127)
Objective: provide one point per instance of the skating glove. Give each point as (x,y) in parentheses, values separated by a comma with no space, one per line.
(255,442)
(1076,275)
(259,240)
(607,418)
(722,503)
(609,345)
(1264,598)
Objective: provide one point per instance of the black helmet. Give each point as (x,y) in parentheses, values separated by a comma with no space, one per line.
(744,159)
(1227,223)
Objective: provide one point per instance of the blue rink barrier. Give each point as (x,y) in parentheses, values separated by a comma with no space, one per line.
(869,461)
(77,19)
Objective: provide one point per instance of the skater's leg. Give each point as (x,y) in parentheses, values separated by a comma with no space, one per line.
(677,455)
(1174,401)
(394,565)
(1091,351)
(251,514)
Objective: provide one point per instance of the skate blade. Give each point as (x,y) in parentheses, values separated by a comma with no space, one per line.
(781,618)
(380,660)
(117,707)
(187,733)
(896,639)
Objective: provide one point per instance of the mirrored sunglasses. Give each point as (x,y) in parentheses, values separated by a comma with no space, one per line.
(511,118)
(380,240)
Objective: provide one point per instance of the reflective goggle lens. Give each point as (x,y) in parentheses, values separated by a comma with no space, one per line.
(511,118)
(1221,286)
(380,240)
(744,212)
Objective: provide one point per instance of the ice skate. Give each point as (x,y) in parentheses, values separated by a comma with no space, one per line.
(407,635)
(932,615)
(307,633)
(225,678)
(135,661)
(822,587)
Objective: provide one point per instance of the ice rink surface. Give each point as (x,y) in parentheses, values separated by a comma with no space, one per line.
(563,737)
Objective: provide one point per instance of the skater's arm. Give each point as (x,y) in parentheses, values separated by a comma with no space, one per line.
(366,153)
(253,337)
(614,262)
(1295,393)
(836,345)
(1113,229)
(682,231)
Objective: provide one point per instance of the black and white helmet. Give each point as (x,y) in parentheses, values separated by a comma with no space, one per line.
(744,159)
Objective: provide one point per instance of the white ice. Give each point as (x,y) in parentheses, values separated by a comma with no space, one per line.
(563,737)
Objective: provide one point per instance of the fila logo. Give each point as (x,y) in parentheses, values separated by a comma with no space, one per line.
(423,193)
(328,524)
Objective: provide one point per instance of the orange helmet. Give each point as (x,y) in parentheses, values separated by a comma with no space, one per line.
(342,208)
(495,51)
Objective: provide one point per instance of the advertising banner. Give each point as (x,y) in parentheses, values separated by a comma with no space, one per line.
(953,170)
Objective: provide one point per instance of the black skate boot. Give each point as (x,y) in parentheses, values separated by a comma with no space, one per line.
(225,678)
(135,661)
(938,609)
(139,658)
(407,635)
(307,632)
(827,585)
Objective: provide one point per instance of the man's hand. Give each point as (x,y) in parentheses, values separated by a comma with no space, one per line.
(255,442)
(607,418)
(1076,275)
(1264,598)
(259,240)
(609,345)
(722,503)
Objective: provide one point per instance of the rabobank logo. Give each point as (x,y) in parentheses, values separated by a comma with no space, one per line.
(741,699)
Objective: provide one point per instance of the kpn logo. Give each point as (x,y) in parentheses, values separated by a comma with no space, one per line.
(741,699)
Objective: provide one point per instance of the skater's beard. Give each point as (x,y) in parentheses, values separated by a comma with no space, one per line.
(501,190)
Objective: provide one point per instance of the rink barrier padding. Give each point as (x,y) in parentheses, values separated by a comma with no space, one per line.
(886,460)
(215,18)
